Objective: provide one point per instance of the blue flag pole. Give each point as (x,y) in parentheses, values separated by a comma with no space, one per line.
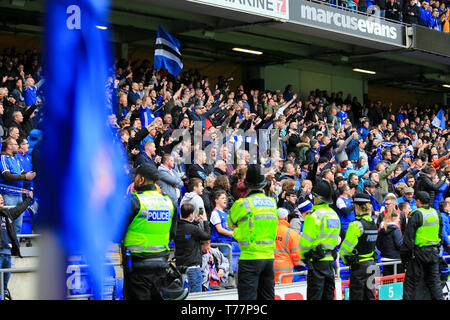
(81,180)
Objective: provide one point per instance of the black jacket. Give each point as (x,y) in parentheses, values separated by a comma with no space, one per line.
(10,215)
(196,171)
(424,183)
(407,17)
(389,242)
(206,196)
(188,251)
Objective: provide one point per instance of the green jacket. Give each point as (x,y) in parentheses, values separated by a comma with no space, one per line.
(321,227)
(254,221)
(384,177)
(149,232)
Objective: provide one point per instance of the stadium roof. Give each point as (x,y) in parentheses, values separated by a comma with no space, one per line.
(209,33)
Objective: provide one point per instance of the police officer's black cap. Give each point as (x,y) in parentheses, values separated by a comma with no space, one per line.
(423,197)
(322,190)
(361,198)
(148,171)
(254,180)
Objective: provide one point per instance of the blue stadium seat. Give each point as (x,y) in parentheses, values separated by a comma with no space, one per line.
(27,223)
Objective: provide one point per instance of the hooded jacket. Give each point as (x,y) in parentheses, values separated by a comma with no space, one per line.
(194,199)
(8,216)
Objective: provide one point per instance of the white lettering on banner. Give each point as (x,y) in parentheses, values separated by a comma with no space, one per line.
(363,25)
(273,8)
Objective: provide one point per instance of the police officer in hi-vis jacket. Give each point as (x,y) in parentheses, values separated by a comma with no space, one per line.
(358,249)
(254,222)
(420,249)
(145,248)
(318,243)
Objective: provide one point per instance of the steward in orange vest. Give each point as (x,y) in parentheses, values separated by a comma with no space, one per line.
(287,252)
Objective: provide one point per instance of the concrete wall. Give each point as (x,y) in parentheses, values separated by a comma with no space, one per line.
(306,76)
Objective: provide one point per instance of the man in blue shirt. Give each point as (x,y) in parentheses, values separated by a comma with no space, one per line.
(364,130)
(444,208)
(343,114)
(408,197)
(25,161)
(425,14)
(346,209)
(12,177)
(31,91)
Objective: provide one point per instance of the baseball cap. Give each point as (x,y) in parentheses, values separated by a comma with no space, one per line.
(409,190)
(319,133)
(339,179)
(369,184)
(148,171)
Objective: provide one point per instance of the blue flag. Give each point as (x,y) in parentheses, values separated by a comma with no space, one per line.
(81,178)
(146,115)
(167,53)
(439,120)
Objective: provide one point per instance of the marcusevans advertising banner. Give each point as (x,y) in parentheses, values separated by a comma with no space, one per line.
(345,21)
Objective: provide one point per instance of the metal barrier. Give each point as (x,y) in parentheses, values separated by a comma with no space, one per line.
(341,7)
(230,252)
(339,269)
(12,270)
(32,235)
(231,274)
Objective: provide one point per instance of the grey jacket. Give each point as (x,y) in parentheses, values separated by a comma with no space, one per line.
(194,199)
(169,182)
(341,154)
(221,262)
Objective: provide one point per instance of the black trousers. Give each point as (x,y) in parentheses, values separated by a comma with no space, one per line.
(362,281)
(320,280)
(256,280)
(425,266)
(145,280)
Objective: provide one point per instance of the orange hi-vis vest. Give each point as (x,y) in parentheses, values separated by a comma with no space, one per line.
(287,251)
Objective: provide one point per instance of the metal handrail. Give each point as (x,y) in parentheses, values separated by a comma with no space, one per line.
(12,270)
(31,235)
(230,252)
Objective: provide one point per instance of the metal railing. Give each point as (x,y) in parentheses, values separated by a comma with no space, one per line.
(339,269)
(12,270)
(345,8)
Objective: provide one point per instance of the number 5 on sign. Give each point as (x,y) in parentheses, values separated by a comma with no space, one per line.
(392,291)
